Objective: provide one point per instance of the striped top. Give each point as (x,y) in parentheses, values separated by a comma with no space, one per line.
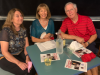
(84,27)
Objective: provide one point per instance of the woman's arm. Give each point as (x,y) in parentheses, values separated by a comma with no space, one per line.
(9,57)
(33,34)
(25,52)
(39,40)
(49,35)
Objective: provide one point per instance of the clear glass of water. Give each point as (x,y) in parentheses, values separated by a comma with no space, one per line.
(59,46)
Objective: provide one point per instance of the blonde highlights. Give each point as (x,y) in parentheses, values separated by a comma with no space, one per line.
(9,23)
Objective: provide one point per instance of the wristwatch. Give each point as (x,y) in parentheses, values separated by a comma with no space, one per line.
(88,43)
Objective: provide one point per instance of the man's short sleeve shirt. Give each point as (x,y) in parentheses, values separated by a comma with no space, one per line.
(84,27)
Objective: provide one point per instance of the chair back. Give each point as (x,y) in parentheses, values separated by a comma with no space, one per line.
(98,33)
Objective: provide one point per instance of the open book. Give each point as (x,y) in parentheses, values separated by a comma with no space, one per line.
(76,65)
(52,56)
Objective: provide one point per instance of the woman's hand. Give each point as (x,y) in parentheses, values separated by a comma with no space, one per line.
(46,40)
(47,36)
(22,65)
(28,60)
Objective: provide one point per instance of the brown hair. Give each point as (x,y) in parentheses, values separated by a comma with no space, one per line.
(43,5)
(8,22)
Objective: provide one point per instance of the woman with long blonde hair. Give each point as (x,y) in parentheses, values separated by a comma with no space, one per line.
(42,28)
(14,40)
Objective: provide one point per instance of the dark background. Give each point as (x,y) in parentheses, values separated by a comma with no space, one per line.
(28,7)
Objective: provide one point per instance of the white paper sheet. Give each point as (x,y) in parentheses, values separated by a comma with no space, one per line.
(81,51)
(78,49)
(52,56)
(46,45)
(42,35)
(76,65)
(75,45)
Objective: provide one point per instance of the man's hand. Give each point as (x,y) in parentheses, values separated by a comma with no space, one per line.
(80,40)
(85,44)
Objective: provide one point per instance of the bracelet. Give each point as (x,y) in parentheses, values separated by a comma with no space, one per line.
(26,55)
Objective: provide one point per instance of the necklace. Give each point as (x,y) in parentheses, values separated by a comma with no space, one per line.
(43,23)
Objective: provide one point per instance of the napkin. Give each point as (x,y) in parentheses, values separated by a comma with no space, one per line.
(42,35)
(29,66)
(88,57)
(92,55)
(75,45)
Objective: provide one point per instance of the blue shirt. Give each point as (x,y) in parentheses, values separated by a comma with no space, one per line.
(37,29)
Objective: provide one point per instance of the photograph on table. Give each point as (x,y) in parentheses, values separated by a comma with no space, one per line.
(52,56)
(76,65)
(81,52)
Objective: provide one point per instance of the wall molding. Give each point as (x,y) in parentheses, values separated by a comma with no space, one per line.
(55,18)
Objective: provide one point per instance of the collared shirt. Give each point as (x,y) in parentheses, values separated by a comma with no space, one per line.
(84,27)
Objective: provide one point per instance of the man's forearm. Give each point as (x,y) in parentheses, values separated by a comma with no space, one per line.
(67,36)
(77,38)
(92,38)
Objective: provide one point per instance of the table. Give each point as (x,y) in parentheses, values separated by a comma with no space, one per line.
(56,67)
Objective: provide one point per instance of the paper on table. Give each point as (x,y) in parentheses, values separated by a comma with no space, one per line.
(76,65)
(52,56)
(75,45)
(46,45)
(29,66)
(78,49)
(81,51)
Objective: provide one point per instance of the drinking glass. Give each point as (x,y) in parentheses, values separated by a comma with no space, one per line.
(59,46)
(47,61)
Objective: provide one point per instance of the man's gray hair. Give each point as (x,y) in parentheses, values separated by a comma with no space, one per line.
(75,6)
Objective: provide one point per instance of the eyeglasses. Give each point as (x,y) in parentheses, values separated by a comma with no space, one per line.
(70,10)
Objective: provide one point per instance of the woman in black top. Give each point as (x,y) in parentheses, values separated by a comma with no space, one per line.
(14,41)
